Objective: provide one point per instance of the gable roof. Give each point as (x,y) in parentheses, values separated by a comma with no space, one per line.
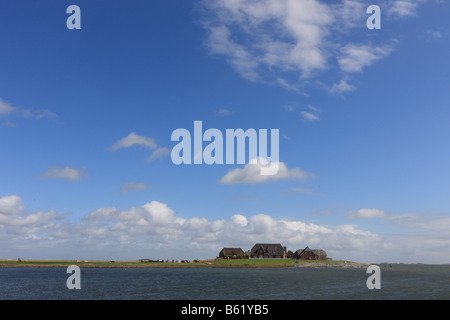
(268,248)
(317,252)
(232,252)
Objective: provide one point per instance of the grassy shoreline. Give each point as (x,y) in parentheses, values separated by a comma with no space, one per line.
(212,263)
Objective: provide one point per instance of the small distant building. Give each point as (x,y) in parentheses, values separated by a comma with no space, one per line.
(310,254)
(231,253)
(268,251)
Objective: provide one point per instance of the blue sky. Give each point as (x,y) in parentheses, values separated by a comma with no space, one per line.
(86,118)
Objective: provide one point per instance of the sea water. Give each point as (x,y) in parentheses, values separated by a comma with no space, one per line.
(398,281)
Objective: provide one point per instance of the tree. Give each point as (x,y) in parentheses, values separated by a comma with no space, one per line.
(290,254)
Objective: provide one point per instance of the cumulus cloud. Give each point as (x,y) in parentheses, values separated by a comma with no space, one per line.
(68,173)
(350,13)
(11,205)
(154,230)
(281,35)
(239,220)
(403,8)
(157,225)
(159,154)
(134,139)
(341,87)
(105,214)
(355,57)
(251,173)
(19,229)
(287,42)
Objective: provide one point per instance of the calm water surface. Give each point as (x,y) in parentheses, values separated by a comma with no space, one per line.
(399,282)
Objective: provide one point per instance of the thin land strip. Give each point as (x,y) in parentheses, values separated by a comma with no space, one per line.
(211,263)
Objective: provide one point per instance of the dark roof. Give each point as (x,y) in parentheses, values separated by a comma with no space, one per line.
(269,248)
(232,252)
(300,251)
(317,252)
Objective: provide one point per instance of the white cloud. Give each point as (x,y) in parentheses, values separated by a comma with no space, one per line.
(220,43)
(431,35)
(20,229)
(403,8)
(154,230)
(5,108)
(350,13)
(134,139)
(159,153)
(133,186)
(29,221)
(367,213)
(11,205)
(251,173)
(309,116)
(106,214)
(279,35)
(67,173)
(38,114)
(355,57)
(287,42)
(157,226)
(314,109)
(341,87)
(239,220)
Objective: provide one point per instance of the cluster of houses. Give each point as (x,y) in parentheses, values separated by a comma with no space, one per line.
(260,251)
(272,251)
